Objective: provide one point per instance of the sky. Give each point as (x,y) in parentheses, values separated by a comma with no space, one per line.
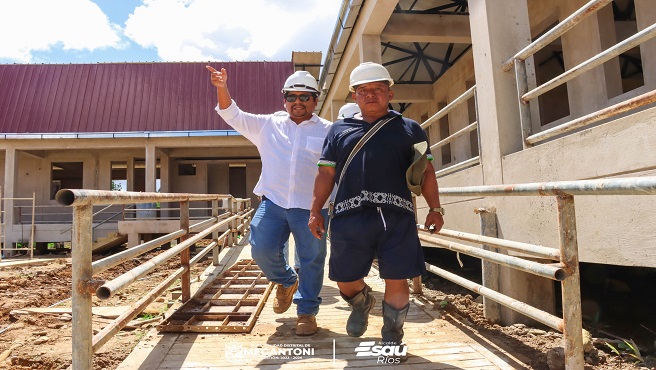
(94,31)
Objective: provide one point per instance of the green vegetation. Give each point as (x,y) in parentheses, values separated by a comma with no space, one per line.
(146,316)
(627,348)
(115,186)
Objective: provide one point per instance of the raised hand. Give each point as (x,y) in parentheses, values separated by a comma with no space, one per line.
(218,78)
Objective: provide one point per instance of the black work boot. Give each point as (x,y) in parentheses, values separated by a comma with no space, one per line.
(361,304)
(392,331)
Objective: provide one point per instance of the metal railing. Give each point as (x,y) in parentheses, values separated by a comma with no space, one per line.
(565,269)
(3,238)
(457,102)
(525,96)
(54,214)
(85,344)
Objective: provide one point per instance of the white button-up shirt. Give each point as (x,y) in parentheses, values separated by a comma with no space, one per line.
(289,151)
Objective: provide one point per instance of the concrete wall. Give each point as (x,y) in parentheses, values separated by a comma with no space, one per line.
(612,230)
(34,158)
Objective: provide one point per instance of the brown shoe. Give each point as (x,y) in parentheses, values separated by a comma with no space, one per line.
(306,325)
(284,297)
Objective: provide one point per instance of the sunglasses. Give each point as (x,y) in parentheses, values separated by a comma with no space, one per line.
(303,97)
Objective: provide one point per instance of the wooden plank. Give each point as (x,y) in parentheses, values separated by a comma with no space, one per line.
(102,311)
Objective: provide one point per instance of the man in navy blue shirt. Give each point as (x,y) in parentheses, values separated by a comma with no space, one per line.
(373,215)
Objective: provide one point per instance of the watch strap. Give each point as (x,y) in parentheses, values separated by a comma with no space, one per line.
(439,210)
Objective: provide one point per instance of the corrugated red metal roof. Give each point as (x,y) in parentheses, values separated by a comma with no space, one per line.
(127,97)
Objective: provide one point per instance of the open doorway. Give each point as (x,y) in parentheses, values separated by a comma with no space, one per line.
(65,175)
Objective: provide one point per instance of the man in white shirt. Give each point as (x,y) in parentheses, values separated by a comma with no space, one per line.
(290,144)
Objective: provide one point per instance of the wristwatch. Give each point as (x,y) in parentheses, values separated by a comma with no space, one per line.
(439,210)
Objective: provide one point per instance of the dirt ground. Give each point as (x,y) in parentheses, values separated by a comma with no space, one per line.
(43,340)
(532,344)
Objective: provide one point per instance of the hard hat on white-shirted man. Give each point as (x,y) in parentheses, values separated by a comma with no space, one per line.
(369,72)
(301,81)
(348,110)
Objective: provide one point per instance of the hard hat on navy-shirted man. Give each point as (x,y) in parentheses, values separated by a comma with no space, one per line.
(369,72)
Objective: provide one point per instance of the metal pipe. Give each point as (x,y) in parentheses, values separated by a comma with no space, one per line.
(621,186)
(246,214)
(554,33)
(534,250)
(3,240)
(76,197)
(118,258)
(82,330)
(571,287)
(32,227)
(215,234)
(524,107)
(515,305)
(185,254)
(478,124)
(458,166)
(471,127)
(593,62)
(111,287)
(449,107)
(120,322)
(202,224)
(232,237)
(551,271)
(625,106)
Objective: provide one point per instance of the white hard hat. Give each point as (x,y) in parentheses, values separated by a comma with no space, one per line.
(369,72)
(301,81)
(348,110)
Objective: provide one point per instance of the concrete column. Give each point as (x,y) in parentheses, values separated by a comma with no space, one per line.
(151,168)
(436,135)
(164,173)
(165,180)
(588,92)
(608,39)
(459,119)
(645,17)
(493,42)
(370,49)
(491,309)
(9,191)
(129,174)
(105,174)
(89,171)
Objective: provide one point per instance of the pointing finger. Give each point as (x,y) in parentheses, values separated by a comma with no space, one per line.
(211,69)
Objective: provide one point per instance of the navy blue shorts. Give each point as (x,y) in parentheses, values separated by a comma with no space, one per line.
(391,236)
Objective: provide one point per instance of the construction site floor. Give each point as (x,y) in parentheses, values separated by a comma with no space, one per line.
(433,342)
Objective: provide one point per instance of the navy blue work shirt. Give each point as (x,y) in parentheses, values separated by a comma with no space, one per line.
(376,175)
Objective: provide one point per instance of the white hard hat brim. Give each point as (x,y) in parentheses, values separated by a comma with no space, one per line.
(301,89)
(352,87)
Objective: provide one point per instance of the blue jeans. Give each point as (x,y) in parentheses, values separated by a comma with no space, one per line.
(285,250)
(270,229)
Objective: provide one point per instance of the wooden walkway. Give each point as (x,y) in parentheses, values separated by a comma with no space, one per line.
(433,343)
